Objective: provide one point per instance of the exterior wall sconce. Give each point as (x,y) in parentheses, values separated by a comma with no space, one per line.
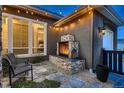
(102,30)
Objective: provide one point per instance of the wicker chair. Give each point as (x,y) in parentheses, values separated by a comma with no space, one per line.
(17,69)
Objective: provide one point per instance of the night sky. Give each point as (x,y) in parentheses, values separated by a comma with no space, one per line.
(67,9)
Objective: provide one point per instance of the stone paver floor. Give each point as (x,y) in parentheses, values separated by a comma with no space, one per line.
(84,79)
(47,70)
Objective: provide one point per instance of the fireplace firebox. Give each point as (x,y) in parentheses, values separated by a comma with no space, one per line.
(64,48)
(68,49)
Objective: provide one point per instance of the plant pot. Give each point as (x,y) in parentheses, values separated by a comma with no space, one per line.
(102,72)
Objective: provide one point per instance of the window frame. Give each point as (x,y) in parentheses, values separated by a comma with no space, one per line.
(30,34)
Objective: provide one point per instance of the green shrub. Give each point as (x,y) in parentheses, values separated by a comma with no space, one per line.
(51,83)
(23,83)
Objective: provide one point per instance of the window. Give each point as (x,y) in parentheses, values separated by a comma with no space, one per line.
(4,35)
(20,36)
(38,38)
(108,40)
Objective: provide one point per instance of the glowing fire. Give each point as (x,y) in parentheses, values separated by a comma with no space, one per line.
(64,49)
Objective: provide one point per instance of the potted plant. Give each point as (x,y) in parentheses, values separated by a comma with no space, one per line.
(102,72)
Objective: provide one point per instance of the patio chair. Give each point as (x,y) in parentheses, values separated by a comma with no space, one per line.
(17,69)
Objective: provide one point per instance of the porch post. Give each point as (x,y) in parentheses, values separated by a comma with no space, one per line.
(45,40)
(115,39)
(0,46)
(30,37)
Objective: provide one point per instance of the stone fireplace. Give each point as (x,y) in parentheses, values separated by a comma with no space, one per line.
(68,47)
(67,58)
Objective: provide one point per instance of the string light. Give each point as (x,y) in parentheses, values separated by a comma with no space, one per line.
(61,28)
(75,11)
(89,12)
(18,11)
(4,8)
(57,29)
(27,12)
(79,20)
(32,13)
(46,13)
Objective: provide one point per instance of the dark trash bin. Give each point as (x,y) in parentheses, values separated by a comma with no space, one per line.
(102,72)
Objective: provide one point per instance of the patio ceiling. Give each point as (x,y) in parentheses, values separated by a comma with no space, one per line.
(105,10)
(111,14)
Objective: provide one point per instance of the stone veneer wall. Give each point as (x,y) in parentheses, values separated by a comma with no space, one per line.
(0,45)
(66,65)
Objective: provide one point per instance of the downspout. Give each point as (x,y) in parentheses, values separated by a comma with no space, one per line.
(92,40)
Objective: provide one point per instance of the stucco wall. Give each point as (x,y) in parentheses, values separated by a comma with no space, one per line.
(97,39)
(100,21)
(0,44)
(82,32)
(51,35)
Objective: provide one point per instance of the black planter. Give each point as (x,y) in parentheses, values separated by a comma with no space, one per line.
(102,73)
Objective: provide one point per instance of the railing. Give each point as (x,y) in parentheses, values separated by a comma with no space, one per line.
(114,60)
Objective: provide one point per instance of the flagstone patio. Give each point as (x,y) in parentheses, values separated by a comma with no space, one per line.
(46,70)
(83,79)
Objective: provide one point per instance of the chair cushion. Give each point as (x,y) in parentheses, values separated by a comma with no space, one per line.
(22,69)
(20,65)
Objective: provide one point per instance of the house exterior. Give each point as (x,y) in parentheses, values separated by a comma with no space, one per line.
(28,31)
